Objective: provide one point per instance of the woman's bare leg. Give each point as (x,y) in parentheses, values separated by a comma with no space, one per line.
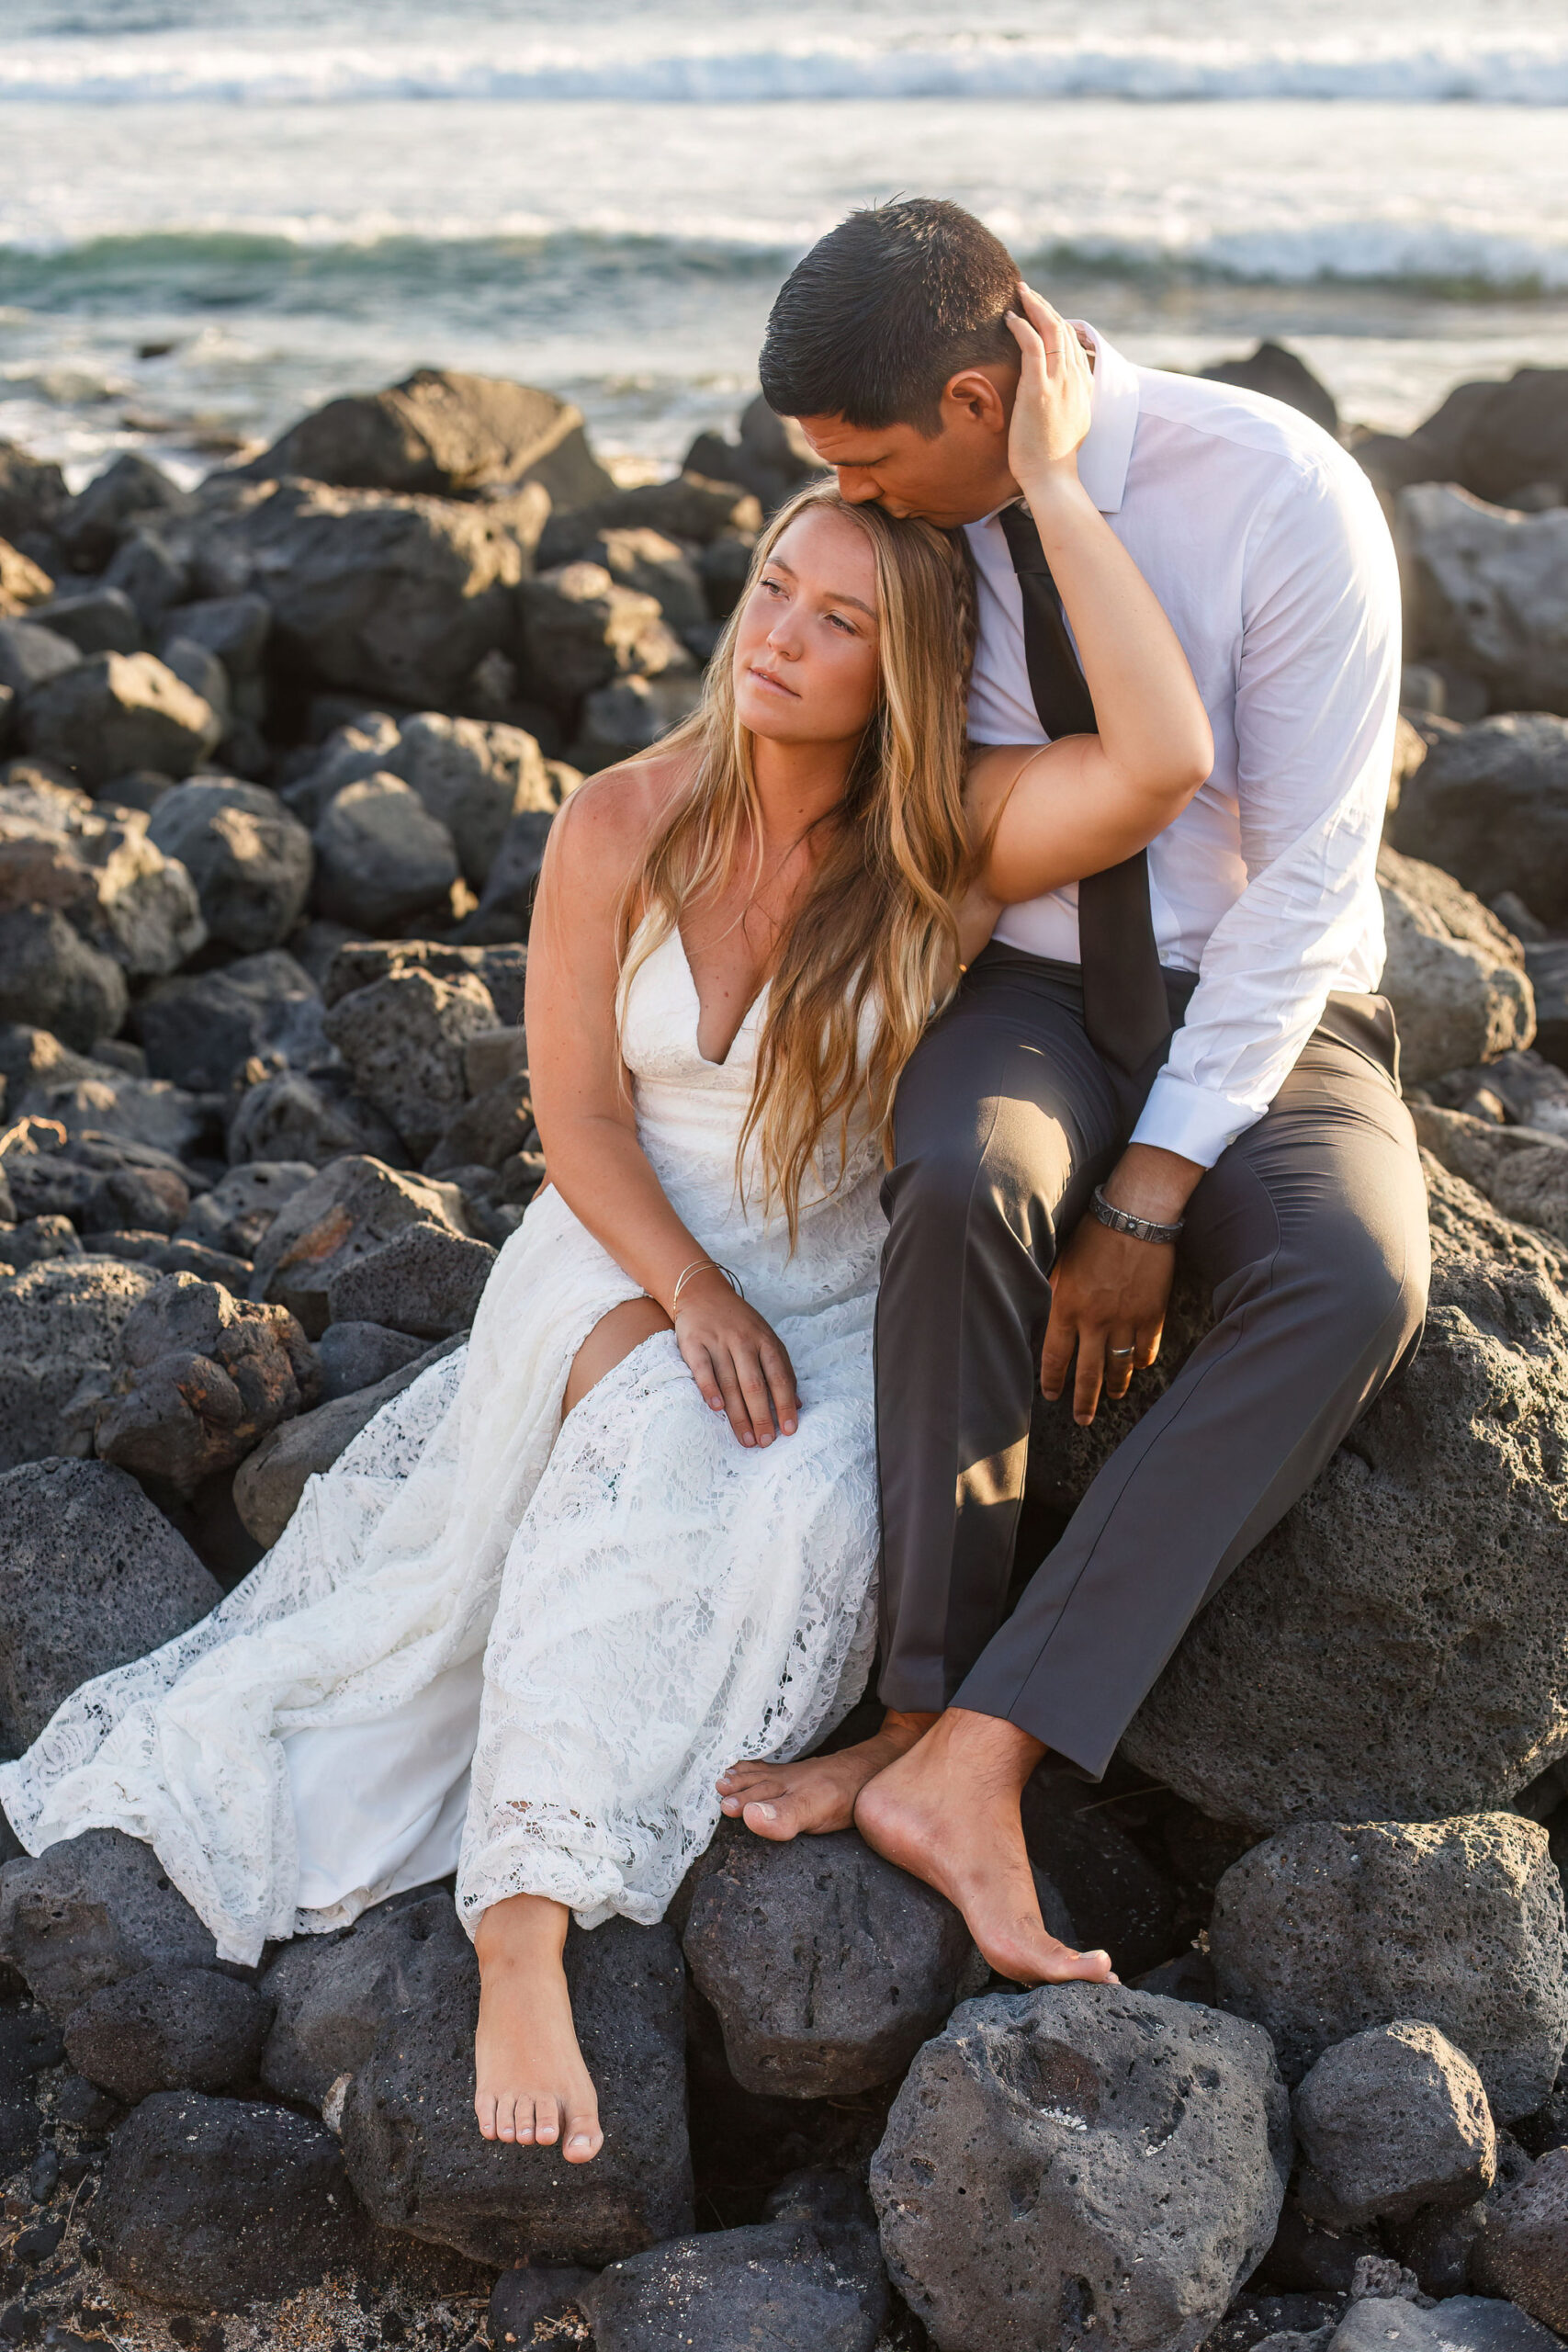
(613,1337)
(530,2084)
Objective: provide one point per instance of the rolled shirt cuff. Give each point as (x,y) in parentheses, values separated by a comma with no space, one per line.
(1196,1121)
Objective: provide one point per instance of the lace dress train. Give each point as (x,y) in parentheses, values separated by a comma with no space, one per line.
(495,1640)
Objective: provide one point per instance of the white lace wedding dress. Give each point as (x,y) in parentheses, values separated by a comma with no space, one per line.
(493,1639)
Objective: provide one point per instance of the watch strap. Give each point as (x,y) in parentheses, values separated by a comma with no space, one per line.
(1140,1228)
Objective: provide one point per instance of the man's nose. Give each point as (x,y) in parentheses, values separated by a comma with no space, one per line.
(856,486)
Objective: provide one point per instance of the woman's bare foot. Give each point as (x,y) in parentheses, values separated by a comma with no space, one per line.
(781,1801)
(530,2084)
(947,1812)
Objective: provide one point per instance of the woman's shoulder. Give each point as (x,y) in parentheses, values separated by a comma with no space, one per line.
(608,820)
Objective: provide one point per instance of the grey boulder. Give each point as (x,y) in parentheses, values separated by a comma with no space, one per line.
(251,860)
(1523,1171)
(92,524)
(355,1356)
(631,716)
(209,2203)
(506,903)
(50,979)
(117,711)
(473,777)
(168,2030)
(97,619)
(101,870)
(580,629)
(774,2284)
(90,1911)
(199,1028)
(46,1079)
(31,654)
(1455,977)
(425,1281)
(1081,2156)
(91,1577)
(1329,1929)
(1523,2251)
(238,1212)
(354,1208)
(360,964)
(1390,2122)
(1486,586)
(446,433)
(1489,803)
(269,1482)
(828,1966)
(382,857)
(390,595)
(1397,1648)
(654,565)
(60,1325)
(331,1994)
(199,1379)
(403,1040)
(286,1114)
(419,2164)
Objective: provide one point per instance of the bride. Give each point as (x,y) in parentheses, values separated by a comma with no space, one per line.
(629,1533)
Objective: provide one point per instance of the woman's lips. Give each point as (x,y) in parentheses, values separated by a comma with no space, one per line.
(766,678)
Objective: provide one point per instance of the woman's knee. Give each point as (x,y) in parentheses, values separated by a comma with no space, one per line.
(609,1343)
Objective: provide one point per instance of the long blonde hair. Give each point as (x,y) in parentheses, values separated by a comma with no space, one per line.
(876,923)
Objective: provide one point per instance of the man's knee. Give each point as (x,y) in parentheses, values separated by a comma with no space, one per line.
(1374,1280)
(1011,1167)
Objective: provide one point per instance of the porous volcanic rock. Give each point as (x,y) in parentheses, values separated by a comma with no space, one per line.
(1455,976)
(46,1080)
(1390,2122)
(1331,1928)
(419,2164)
(60,1325)
(473,777)
(290,1115)
(1523,1171)
(1489,803)
(690,506)
(103,873)
(92,524)
(355,1356)
(1485,589)
(50,979)
(382,856)
(506,903)
(90,1911)
(403,1041)
(1523,2251)
(425,1280)
(1429,1550)
(347,1213)
(580,629)
(168,2030)
(31,654)
(626,717)
(771,2283)
(442,432)
(210,2202)
(238,1212)
(827,1966)
(332,1993)
(32,493)
(390,595)
(91,1576)
(199,1028)
(119,711)
(1081,2156)
(96,620)
(251,860)
(201,1378)
(360,964)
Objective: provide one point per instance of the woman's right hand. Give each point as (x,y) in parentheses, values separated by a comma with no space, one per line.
(737,1360)
(1055,391)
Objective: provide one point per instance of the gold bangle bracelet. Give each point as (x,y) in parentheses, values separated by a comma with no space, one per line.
(701,1266)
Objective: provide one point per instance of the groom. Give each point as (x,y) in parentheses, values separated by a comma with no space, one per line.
(1179,1059)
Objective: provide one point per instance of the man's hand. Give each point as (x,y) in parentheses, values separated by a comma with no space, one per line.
(1109,1293)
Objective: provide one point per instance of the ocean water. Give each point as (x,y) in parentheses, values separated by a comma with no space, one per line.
(211,217)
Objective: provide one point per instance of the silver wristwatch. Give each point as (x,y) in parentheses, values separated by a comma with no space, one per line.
(1141,1229)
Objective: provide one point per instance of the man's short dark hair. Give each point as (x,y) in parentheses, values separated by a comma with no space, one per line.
(885,310)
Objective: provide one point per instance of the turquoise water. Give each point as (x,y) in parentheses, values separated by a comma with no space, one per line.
(202,230)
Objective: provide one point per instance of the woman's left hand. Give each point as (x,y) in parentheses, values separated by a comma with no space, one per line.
(1051,412)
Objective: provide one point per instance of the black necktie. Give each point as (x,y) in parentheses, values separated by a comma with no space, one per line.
(1126,1012)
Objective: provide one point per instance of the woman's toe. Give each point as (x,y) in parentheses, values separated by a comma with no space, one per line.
(546,2121)
(505,2118)
(583,2139)
(484,2115)
(525,2122)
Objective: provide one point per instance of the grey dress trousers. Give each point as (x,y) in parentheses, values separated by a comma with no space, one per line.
(1310,1231)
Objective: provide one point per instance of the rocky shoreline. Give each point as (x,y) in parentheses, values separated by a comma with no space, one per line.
(278,757)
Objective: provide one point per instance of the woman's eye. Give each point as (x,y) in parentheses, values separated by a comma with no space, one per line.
(773,587)
(840,622)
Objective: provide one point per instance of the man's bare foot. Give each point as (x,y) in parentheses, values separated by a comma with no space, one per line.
(947,1812)
(781,1801)
(530,2084)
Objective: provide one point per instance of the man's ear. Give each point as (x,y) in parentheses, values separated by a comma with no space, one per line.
(982,397)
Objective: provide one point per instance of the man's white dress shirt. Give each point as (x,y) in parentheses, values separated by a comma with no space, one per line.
(1265,543)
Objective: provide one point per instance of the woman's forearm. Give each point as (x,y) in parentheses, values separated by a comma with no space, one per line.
(1152,725)
(604,1176)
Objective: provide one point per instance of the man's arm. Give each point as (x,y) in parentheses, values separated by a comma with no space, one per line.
(1316,703)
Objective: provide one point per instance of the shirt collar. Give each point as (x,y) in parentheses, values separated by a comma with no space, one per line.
(1107,448)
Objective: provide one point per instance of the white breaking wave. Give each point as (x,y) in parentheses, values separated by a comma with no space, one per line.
(1529,70)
